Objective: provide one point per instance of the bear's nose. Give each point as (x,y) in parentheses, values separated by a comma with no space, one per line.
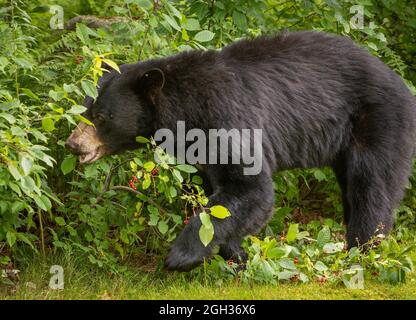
(72,145)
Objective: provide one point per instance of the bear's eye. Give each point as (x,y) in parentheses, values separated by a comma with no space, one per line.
(99,118)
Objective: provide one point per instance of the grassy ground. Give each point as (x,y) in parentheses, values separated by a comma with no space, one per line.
(85,283)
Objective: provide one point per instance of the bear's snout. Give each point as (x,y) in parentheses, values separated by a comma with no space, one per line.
(72,146)
(85,143)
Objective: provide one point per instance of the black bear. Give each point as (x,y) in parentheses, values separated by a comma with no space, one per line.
(319,99)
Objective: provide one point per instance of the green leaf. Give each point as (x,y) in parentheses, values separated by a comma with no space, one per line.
(70,88)
(25,64)
(39,202)
(382,37)
(172,9)
(68,164)
(14,171)
(133,166)
(146,182)
(240,20)
(17,131)
(219,212)
(286,275)
(83,33)
(26,163)
(177,175)
(139,162)
(319,175)
(205,219)
(206,234)
(112,64)
(85,120)
(324,236)
(191,25)
(89,89)
(152,210)
(163,227)
(153,219)
(186,168)
(163,178)
(77,109)
(172,192)
(149,166)
(292,232)
(302,235)
(320,266)
(287,263)
(138,206)
(48,125)
(56,95)
(196,179)
(22,236)
(146,4)
(3,62)
(276,253)
(60,221)
(141,139)
(11,238)
(10,119)
(172,22)
(185,36)
(124,236)
(15,188)
(333,247)
(204,36)
(177,218)
(372,46)
(30,93)
(46,202)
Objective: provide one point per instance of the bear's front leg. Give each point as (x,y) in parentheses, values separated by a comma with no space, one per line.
(188,251)
(250,201)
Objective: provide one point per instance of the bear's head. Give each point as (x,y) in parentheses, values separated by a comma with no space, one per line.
(123,110)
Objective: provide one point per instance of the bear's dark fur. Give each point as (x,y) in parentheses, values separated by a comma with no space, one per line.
(320,100)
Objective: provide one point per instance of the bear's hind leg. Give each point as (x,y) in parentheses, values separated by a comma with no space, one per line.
(375,186)
(340,169)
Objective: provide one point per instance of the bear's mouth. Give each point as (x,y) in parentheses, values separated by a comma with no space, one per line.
(91,157)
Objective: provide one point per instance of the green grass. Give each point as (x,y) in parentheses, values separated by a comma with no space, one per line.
(83,282)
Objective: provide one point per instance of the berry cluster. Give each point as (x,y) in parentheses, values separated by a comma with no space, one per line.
(132,182)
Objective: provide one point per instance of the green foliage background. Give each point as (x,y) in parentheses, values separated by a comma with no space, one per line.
(48,202)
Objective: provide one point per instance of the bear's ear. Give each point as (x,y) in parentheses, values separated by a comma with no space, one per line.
(151,84)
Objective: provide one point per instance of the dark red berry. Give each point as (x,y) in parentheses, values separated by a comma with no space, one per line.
(296,260)
(322,279)
(155,172)
(295,278)
(131,183)
(79,59)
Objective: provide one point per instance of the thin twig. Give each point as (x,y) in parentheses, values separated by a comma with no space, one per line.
(108,178)
(42,235)
(303,19)
(118,205)
(128,189)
